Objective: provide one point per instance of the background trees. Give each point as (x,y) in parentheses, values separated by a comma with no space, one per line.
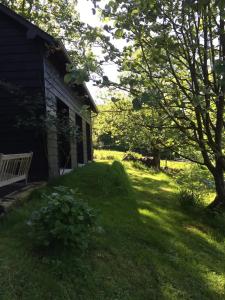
(120,126)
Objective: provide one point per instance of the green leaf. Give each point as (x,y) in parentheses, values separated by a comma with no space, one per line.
(135,12)
(119,33)
(67,78)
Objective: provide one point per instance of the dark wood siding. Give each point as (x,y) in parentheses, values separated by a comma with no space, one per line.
(20,59)
(21,78)
(57,89)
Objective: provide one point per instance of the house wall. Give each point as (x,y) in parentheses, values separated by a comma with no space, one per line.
(55,88)
(21,79)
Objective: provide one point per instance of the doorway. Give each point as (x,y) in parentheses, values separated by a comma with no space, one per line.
(89,146)
(63,136)
(80,145)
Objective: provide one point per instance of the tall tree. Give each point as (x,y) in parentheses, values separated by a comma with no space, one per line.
(175,61)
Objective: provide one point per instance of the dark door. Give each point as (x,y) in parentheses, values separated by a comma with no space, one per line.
(89,146)
(80,145)
(63,135)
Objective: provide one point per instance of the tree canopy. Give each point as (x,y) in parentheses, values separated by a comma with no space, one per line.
(174,61)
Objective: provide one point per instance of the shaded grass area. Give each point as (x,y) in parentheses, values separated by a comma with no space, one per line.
(149,248)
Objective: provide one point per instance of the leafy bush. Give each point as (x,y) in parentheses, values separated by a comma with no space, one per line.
(188,199)
(65,221)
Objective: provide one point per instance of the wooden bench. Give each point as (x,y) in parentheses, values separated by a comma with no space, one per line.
(14,168)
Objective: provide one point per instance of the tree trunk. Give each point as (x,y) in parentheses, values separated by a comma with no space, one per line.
(219,200)
(156,158)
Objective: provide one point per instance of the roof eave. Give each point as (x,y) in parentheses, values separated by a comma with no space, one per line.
(33,31)
(95,109)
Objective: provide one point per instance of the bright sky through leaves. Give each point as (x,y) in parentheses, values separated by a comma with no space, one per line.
(86,15)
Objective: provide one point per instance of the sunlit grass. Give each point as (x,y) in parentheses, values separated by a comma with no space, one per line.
(175,164)
(108,155)
(148,249)
(118,155)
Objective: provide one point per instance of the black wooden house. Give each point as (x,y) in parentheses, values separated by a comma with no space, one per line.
(32,68)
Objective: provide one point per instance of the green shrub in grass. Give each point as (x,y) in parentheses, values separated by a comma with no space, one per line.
(65,221)
(188,199)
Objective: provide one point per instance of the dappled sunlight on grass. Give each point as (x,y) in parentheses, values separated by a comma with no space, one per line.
(215,282)
(208,198)
(170,190)
(186,249)
(176,164)
(148,249)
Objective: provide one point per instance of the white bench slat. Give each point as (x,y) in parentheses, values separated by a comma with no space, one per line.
(12,180)
(14,167)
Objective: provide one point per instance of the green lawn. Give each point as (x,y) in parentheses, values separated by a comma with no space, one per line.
(149,248)
(118,155)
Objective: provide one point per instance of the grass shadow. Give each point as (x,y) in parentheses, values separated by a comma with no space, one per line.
(149,249)
(187,255)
